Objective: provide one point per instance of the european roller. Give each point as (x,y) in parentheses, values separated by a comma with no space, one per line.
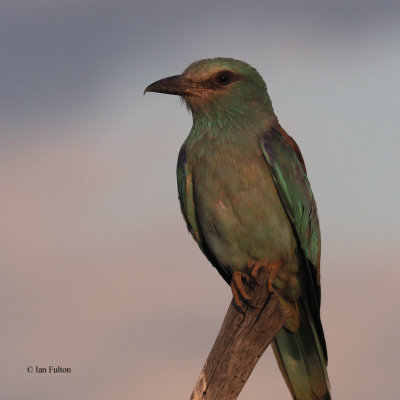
(246,200)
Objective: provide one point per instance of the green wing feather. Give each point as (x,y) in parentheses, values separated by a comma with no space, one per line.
(302,356)
(188,208)
(185,190)
(295,193)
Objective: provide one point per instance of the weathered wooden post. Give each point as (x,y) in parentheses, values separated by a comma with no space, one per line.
(240,343)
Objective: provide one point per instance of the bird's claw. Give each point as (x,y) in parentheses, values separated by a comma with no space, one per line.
(271,269)
(240,294)
(239,291)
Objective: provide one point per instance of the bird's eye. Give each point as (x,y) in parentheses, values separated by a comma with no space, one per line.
(224,78)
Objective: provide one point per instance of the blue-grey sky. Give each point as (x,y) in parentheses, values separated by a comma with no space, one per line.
(99,273)
(56,55)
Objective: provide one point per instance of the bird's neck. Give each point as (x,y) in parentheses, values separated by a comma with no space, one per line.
(231,124)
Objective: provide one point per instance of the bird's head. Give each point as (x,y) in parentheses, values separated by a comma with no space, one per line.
(221,88)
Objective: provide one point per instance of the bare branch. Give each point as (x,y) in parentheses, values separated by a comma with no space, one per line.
(240,343)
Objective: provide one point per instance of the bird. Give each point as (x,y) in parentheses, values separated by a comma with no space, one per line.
(247,201)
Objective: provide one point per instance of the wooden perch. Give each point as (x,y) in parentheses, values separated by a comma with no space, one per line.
(240,343)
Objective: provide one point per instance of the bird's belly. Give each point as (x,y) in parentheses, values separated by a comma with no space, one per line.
(240,213)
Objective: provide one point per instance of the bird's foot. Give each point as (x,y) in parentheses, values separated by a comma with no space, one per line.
(271,269)
(250,278)
(240,295)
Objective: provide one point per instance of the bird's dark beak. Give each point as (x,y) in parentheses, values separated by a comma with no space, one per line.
(176,84)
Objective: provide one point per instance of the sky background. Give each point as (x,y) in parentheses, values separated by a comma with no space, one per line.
(98,272)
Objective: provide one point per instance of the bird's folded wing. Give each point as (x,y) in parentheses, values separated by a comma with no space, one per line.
(188,208)
(295,193)
(298,201)
(185,190)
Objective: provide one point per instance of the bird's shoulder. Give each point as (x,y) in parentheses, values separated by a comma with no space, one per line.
(292,143)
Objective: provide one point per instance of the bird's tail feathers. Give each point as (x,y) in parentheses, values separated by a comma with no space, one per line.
(301,360)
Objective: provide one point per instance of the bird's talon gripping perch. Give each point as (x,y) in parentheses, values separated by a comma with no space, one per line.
(271,269)
(239,291)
